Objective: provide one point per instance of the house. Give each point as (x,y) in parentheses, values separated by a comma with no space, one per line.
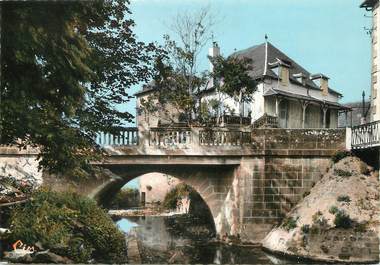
(360,113)
(154,187)
(287,95)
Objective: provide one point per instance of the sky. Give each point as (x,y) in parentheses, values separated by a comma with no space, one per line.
(324,36)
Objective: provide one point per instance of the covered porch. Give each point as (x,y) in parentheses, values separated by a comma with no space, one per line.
(299,111)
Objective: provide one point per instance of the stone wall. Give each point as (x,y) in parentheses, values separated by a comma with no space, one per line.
(271,184)
(270,187)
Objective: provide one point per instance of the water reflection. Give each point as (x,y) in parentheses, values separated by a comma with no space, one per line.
(163,244)
(171,240)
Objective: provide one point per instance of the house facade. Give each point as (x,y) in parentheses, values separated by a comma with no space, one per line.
(287,95)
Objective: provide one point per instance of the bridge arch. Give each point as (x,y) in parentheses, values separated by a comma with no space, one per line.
(212,183)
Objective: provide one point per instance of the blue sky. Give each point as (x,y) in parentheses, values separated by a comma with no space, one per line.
(325,36)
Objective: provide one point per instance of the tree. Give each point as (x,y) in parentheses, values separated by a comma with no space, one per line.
(232,80)
(66,65)
(179,81)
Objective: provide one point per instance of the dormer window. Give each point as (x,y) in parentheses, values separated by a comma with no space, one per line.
(322,82)
(301,78)
(281,69)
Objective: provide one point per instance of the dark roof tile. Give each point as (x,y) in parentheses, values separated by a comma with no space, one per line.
(257,55)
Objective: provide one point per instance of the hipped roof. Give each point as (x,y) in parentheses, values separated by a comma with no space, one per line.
(261,64)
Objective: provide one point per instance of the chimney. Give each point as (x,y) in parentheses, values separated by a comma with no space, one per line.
(213,52)
(322,81)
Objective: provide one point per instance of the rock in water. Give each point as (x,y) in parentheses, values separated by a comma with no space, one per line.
(49,257)
(337,221)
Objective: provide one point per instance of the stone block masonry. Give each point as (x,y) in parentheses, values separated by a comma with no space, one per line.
(270,185)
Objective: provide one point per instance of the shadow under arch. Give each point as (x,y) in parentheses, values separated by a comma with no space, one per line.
(204,179)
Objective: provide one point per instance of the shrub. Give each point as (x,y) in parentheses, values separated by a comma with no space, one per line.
(306,193)
(70,221)
(125,198)
(342,173)
(343,198)
(171,198)
(319,223)
(342,220)
(333,210)
(361,227)
(289,223)
(305,229)
(339,155)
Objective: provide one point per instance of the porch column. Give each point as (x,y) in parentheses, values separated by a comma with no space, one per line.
(324,109)
(304,106)
(277,105)
(346,118)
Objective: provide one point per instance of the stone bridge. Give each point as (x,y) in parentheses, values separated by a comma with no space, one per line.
(248,178)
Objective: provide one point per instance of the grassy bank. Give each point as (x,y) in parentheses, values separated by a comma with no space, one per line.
(68,225)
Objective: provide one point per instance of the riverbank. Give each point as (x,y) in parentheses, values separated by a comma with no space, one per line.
(337,222)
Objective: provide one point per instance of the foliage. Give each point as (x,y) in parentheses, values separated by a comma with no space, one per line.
(66,65)
(333,210)
(343,198)
(342,173)
(319,223)
(178,82)
(69,220)
(171,198)
(305,229)
(339,155)
(342,219)
(361,227)
(126,198)
(233,73)
(289,223)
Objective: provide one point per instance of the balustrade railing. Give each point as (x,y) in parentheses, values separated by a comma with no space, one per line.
(266,121)
(224,137)
(169,136)
(231,120)
(366,135)
(128,136)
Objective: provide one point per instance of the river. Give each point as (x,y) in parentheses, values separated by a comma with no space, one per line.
(162,241)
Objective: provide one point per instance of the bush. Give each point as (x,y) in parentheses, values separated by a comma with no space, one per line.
(289,223)
(361,227)
(339,155)
(305,229)
(343,198)
(125,198)
(342,173)
(71,222)
(333,210)
(171,198)
(342,220)
(319,223)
